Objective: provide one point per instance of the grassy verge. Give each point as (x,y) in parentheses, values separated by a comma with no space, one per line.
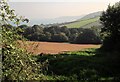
(84,65)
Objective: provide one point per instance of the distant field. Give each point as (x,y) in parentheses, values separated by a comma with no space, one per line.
(82,23)
(53,47)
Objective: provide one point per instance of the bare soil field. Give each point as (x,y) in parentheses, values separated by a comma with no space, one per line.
(53,47)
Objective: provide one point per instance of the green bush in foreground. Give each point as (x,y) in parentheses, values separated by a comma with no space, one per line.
(16,63)
(85,66)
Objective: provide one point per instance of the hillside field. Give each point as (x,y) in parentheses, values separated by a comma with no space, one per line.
(53,47)
(81,23)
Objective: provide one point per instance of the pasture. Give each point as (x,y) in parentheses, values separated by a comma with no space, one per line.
(82,23)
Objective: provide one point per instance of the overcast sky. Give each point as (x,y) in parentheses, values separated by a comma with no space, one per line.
(36,9)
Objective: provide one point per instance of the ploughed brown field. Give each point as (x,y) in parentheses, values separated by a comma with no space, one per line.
(53,47)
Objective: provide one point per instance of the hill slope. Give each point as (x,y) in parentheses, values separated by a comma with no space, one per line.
(82,23)
(91,15)
(85,22)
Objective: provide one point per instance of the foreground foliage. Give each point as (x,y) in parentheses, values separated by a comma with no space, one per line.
(16,63)
(87,65)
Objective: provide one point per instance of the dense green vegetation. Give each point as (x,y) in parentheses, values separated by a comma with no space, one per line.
(86,65)
(62,34)
(111,30)
(16,63)
(82,23)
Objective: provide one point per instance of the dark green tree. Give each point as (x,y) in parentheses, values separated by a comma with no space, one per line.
(110,20)
(65,30)
(61,37)
(88,36)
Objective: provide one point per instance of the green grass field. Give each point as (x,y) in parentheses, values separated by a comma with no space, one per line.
(87,65)
(82,23)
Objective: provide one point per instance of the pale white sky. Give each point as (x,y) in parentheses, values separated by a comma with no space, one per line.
(36,9)
(63,0)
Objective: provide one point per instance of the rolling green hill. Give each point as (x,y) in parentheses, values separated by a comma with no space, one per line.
(87,21)
(82,23)
(91,15)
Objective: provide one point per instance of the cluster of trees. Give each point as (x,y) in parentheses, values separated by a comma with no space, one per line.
(111,30)
(62,34)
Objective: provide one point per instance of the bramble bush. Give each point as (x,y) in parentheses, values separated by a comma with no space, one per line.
(17,64)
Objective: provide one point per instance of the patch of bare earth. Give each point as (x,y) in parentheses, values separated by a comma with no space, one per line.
(53,47)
